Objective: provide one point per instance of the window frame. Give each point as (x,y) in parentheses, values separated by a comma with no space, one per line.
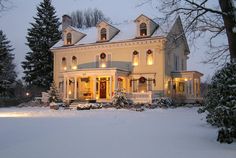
(143,29)
(69,38)
(103,34)
(133,58)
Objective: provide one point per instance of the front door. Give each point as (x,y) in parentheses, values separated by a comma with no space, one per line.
(103,88)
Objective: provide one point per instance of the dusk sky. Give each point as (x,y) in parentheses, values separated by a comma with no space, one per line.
(15,22)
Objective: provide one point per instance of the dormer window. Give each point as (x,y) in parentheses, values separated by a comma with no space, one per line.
(68,38)
(103,34)
(143,29)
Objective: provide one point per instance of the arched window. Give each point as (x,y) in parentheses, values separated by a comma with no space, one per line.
(68,38)
(103,61)
(74,63)
(149,57)
(63,64)
(135,58)
(143,29)
(103,34)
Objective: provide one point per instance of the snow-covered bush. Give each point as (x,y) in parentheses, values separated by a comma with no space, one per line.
(163,102)
(220,103)
(54,95)
(119,99)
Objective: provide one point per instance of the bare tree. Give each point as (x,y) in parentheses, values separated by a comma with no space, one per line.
(215,19)
(87,18)
(4,5)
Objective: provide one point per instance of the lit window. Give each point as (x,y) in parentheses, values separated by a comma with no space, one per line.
(74,63)
(103,34)
(63,63)
(135,58)
(103,62)
(149,57)
(143,29)
(68,38)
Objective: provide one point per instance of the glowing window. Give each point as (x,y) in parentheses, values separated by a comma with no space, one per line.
(103,61)
(63,63)
(68,38)
(135,58)
(103,34)
(143,29)
(74,63)
(149,57)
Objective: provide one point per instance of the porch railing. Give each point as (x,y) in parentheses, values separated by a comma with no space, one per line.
(142,97)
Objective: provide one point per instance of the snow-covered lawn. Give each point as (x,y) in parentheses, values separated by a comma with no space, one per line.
(108,133)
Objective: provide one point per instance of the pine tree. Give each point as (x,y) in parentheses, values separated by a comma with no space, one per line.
(54,95)
(7,72)
(43,34)
(220,103)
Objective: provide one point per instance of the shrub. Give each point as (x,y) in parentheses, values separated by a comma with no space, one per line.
(220,103)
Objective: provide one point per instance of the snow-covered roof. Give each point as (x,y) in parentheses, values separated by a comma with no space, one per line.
(127,32)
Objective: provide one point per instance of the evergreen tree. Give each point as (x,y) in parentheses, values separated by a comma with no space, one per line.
(54,95)
(220,103)
(7,72)
(42,35)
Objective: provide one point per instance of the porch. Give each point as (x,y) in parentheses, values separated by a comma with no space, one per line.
(184,86)
(92,84)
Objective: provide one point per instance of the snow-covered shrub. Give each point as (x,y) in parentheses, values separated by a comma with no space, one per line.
(220,103)
(119,99)
(163,102)
(54,95)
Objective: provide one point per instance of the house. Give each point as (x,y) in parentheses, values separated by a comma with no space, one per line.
(143,57)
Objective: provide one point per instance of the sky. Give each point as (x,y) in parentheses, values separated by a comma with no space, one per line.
(16,21)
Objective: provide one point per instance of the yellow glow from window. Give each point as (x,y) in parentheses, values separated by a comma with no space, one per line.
(150,61)
(185,79)
(65,68)
(74,67)
(14,114)
(69,92)
(103,65)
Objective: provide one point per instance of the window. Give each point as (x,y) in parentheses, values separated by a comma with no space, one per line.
(103,62)
(143,29)
(103,34)
(120,83)
(63,63)
(142,86)
(182,63)
(176,63)
(149,57)
(135,58)
(134,85)
(74,63)
(68,38)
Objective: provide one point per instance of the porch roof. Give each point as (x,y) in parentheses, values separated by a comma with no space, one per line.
(96,72)
(186,74)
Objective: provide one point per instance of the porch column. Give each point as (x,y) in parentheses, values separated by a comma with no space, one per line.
(64,87)
(115,81)
(67,88)
(171,87)
(75,87)
(94,86)
(192,87)
(110,87)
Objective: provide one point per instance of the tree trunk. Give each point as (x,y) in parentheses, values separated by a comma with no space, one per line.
(229,22)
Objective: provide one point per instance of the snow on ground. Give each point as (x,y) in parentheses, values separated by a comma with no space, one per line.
(108,133)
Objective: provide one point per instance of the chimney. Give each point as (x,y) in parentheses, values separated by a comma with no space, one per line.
(66,21)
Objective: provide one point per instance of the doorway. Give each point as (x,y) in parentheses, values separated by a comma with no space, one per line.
(103,88)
